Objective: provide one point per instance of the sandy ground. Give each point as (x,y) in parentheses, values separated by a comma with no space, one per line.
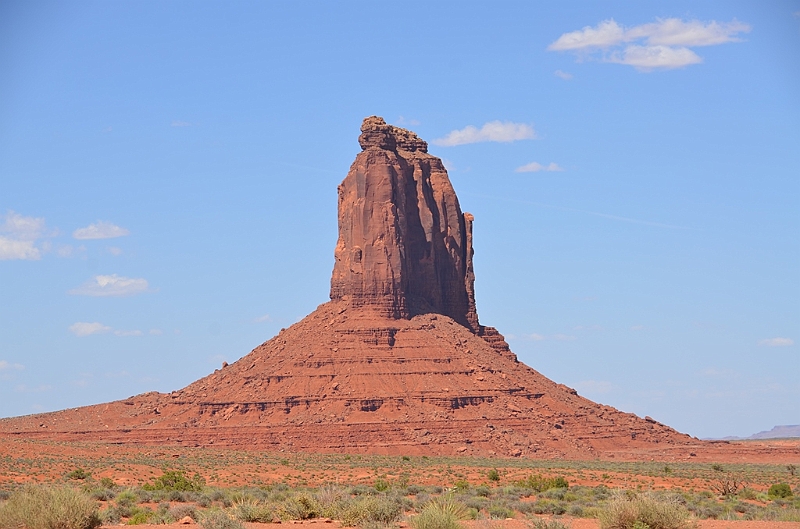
(574,523)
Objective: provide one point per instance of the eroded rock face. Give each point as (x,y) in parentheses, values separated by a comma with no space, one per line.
(404,247)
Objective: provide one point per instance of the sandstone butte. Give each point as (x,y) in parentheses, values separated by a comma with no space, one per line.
(395,363)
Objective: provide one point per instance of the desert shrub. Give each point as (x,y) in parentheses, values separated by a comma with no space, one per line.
(540,523)
(540,484)
(413,490)
(250,510)
(110,515)
(482,490)
(747,494)
(102,494)
(219,520)
(140,516)
(107,483)
(500,512)
(780,490)
(47,507)
(375,509)
(493,475)
(182,511)
(648,512)
(440,513)
(381,485)
(523,507)
(79,474)
(176,480)
(301,507)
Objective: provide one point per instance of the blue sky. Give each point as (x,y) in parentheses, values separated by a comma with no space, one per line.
(168,176)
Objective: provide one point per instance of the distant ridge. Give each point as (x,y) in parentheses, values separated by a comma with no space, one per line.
(777,432)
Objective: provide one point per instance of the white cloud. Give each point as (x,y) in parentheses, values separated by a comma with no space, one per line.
(86,329)
(535,167)
(12,249)
(179,123)
(265,317)
(128,333)
(776,342)
(607,33)
(113,285)
(649,57)
(497,131)
(663,44)
(113,250)
(20,243)
(100,230)
(563,75)
(7,366)
(563,337)
(156,332)
(676,32)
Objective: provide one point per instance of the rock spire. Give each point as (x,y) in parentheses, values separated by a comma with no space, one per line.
(404,247)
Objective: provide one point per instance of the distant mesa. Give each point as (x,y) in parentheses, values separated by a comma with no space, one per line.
(395,363)
(787,431)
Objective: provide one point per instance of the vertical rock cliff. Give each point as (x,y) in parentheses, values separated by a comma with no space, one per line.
(405,247)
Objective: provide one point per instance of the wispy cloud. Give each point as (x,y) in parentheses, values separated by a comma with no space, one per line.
(261,319)
(563,75)
(179,123)
(776,342)
(113,285)
(100,230)
(156,332)
(83,328)
(128,333)
(496,131)
(535,167)
(18,236)
(5,365)
(663,44)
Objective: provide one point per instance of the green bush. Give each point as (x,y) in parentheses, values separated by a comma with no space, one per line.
(646,511)
(172,480)
(780,490)
(493,475)
(540,484)
(79,473)
(48,507)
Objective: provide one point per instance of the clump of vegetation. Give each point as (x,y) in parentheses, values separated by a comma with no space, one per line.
(176,480)
(538,483)
(541,523)
(219,520)
(780,490)
(48,507)
(644,511)
(493,475)
(79,474)
(367,510)
(441,513)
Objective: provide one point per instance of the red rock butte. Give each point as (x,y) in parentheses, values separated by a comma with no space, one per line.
(395,363)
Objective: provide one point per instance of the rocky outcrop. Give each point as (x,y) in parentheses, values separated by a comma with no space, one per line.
(405,247)
(395,363)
